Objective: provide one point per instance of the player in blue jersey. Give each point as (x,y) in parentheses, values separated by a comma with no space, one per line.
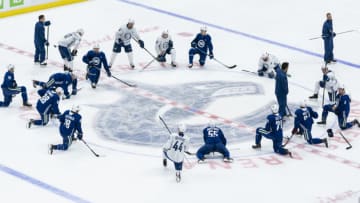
(175,148)
(215,141)
(341,109)
(10,88)
(273,130)
(70,123)
(47,105)
(303,124)
(200,45)
(62,80)
(95,59)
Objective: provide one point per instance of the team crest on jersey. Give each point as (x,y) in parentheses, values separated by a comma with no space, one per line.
(201,43)
(165,45)
(136,122)
(95,61)
(127,36)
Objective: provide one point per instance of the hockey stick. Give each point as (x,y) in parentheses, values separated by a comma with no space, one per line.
(230,67)
(47,46)
(148,64)
(97,155)
(287,107)
(339,33)
(255,73)
(288,140)
(122,81)
(152,55)
(350,146)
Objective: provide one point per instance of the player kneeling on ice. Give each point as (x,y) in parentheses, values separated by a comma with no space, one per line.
(329,82)
(62,80)
(70,40)
(341,109)
(273,130)
(303,124)
(164,45)
(47,105)
(268,63)
(122,39)
(70,123)
(94,59)
(200,45)
(174,150)
(10,88)
(215,141)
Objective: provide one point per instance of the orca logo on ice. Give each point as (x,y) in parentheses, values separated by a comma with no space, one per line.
(136,122)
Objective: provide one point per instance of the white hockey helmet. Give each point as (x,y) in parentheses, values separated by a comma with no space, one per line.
(341,86)
(75,108)
(203,28)
(10,67)
(59,91)
(80,31)
(131,21)
(96,46)
(303,103)
(265,56)
(181,128)
(165,34)
(275,108)
(212,124)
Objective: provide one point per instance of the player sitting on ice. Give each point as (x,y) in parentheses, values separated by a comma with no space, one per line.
(164,45)
(70,40)
(174,150)
(47,105)
(329,82)
(122,39)
(341,109)
(268,63)
(200,45)
(56,80)
(303,124)
(70,123)
(215,141)
(273,130)
(10,88)
(95,59)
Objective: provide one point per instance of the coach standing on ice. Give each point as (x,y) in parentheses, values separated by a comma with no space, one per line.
(40,40)
(281,88)
(328,35)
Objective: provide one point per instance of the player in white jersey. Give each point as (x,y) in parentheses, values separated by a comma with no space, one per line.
(122,39)
(174,150)
(164,45)
(329,82)
(70,41)
(267,65)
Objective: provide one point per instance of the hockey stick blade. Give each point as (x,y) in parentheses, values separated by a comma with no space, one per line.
(231,67)
(349,147)
(124,82)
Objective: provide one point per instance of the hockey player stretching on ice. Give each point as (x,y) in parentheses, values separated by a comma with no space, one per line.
(174,150)
(10,88)
(341,108)
(47,105)
(70,123)
(329,82)
(62,80)
(71,40)
(200,45)
(303,124)
(268,63)
(273,131)
(164,45)
(95,59)
(122,40)
(215,141)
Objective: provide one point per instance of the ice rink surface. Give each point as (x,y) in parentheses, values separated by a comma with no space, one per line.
(120,123)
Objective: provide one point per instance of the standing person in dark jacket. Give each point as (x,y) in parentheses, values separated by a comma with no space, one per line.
(40,40)
(328,35)
(281,88)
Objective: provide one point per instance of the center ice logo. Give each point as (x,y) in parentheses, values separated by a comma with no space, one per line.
(136,122)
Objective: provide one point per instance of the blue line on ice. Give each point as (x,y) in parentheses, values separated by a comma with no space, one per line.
(41,184)
(304,51)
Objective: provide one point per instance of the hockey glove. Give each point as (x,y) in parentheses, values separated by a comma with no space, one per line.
(47,23)
(161,58)
(14,85)
(211,55)
(193,44)
(79,136)
(141,43)
(73,52)
(260,73)
(66,97)
(108,73)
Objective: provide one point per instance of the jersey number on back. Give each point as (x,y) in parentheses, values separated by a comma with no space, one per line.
(176,146)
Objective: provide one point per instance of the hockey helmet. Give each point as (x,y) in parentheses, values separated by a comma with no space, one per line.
(131,21)
(96,46)
(303,103)
(265,56)
(203,28)
(75,108)
(212,124)
(80,31)
(10,67)
(181,128)
(59,91)
(275,108)
(341,86)
(165,34)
